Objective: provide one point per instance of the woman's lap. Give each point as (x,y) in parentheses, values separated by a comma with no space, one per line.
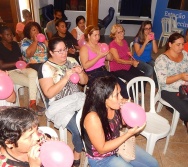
(143,159)
(180,105)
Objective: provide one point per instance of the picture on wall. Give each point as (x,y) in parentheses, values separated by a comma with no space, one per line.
(178,4)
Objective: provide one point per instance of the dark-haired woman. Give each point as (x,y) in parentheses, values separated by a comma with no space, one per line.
(9,54)
(70,42)
(78,31)
(101,114)
(19,138)
(33,52)
(64,98)
(172,72)
(144,45)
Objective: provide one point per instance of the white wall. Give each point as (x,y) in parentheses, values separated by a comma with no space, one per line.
(104,5)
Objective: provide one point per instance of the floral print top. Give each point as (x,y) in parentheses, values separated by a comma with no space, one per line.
(115,127)
(165,67)
(40,54)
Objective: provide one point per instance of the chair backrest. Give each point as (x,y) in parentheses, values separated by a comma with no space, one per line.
(45,29)
(136,85)
(48,130)
(41,93)
(173,20)
(131,46)
(166,24)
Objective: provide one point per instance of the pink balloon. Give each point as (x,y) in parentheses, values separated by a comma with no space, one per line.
(21,64)
(6,86)
(151,36)
(41,37)
(81,41)
(104,47)
(56,154)
(133,114)
(74,78)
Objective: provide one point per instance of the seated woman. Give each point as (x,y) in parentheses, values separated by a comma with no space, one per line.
(34,52)
(67,37)
(63,97)
(122,65)
(78,31)
(101,114)
(144,45)
(20,25)
(19,138)
(93,60)
(172,72)
(10,53)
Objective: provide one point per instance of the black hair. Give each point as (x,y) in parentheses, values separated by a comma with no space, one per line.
(57,10)
(52,44)
(100,90)
(60,21)
(28,27)
(80,18)
(173,38)
(3,28)
(14,121)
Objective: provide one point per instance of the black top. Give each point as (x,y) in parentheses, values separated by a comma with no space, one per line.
(68,39)
(10,56)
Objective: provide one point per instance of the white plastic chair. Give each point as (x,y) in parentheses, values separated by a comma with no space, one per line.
(16,89)
(131,46)
(45,29)
(161,102)
(174,27)
(62,132)
(78,118)
(157,127)
(48,130)
(166,30)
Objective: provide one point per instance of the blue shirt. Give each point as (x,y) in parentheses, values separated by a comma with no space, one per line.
(146,55)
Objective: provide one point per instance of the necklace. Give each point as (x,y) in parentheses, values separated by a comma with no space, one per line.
(15,158)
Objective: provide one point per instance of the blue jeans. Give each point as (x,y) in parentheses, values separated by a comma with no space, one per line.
(147,68)
(143,159)
(76,138)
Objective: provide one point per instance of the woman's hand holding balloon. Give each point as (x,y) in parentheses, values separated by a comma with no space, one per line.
(135,130)
(78,69)
(33,156)
(184,76)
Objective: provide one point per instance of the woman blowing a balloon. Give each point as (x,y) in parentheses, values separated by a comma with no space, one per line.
(63,96)
(101,114)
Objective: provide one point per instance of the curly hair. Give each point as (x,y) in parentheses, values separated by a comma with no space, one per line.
(101,90)
(28,27)
(114,30)
(14,122)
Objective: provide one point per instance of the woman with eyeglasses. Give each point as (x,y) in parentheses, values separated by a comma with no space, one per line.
(122,65)
(144,45)
(62,96)
(34,52)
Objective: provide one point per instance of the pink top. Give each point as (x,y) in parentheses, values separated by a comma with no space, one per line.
(122,52)
(92,55)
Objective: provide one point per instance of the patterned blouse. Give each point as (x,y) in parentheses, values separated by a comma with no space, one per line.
(91,150)
(166,67)
(40,54)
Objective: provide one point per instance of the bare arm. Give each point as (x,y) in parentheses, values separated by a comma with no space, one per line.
(174,78)
(84,58)
(155,48)
(5,66)
(49,35)
(50,89)
(12,97)
(92,124)
(74,33)
(83,76)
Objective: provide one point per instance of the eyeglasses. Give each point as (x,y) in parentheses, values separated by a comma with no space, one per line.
(147,29)
(121,32)
(62,51)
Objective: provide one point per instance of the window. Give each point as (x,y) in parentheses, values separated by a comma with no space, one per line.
(78,5)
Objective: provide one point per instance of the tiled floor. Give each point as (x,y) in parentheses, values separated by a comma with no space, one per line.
(177,152)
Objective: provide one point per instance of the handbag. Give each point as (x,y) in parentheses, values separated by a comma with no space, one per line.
(183,92)
(127,149)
